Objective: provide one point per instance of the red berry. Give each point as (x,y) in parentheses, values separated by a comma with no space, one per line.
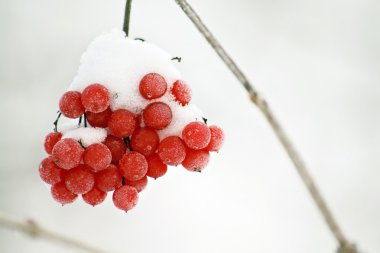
(217,139)
(152,86)
(133,166)
(61,194)
(181,92)
(138,184)
(67,153)
(145,141)
(50,140)
(157,115)
(108,179)
(94,197)
(196,135)
(70,104)
(116,146)
(171,150)
(156,168)
(80,179)
(50,173)
(99,119)
(125,197)
(95,98)
(196,160)
(122,123)
(97,156)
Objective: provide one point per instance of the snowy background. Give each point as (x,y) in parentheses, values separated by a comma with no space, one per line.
(318,64)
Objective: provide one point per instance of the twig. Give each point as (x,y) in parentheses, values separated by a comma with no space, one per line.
(127,16)
(31,228)
(261,103)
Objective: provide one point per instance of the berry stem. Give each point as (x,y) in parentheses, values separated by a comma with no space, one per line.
(80,120)
(177,59)
(127,142)
(261,103)
(85,119)
(56,121)
(127,16)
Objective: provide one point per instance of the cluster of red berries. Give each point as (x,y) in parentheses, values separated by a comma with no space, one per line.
(132,150)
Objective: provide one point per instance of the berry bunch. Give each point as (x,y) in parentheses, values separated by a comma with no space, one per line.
(132,147)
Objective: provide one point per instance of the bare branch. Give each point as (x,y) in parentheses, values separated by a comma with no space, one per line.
(127,16)
(31,228)
(261,103)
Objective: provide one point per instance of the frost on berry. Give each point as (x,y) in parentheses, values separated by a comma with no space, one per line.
(125,197)
(133,166)
(108,179)
(139,185)
(86,135)
(50,140)
(181,92)
(196,160)
(97,156)
(117,147)
(61,194)
(196,135)
(152,86)
(67,153)
(50,173)
(157,115)
(94,197)
(145,141)
(122,123)
(99,119)
(95,98)
(217,139)
(80,179)
(70,104)
(156,168)
(172,151)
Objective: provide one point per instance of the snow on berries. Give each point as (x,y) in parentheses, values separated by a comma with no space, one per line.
(129,116)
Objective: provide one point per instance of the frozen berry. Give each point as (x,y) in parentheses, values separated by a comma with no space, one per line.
(172,151)
(99,119)
(50,140)
(70,104)
(133,166)
(217,139)
(145,141)
(95,98)
(94,197)
(80,179)
(97,156)
(50,173)
(181,92)
(122,123)
(196,135)
(152,86)
(61,194)
(138,184)
(67,153)
(125,197)
(156,168)
(116,146)
(108,179)
(157,115)
(196,160)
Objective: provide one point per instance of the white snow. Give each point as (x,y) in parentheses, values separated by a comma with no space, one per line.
(86,135)
(119,63)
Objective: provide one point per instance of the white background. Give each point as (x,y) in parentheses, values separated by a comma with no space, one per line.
(317,62)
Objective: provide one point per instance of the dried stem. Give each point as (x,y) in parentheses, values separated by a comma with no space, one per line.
(32,229)
(260,102)
(127,16)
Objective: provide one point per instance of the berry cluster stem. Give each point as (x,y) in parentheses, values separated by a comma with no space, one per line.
(127,16)
(56,121)
(345,245)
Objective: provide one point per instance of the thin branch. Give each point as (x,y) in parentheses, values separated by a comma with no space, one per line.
(261,103)
(127,16)
(31,228)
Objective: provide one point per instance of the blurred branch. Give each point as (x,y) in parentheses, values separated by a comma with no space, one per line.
(31,228)
(260,102)
(127,16)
